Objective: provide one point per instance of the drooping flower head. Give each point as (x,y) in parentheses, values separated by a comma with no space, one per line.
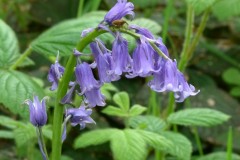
(185,89)
(55,73)
(94,98)
(121,57)
(143,31)
(77,116)
(119,10)
(144,59)
(38,113)
(85,78)
(68,97)
(166,79)
(104,61)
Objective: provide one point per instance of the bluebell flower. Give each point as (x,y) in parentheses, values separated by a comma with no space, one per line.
(86,31)
(68,97)
(185,89)
(121,57)
(77,116)
(55,73)
(94,98)
(143,31)
(104,61)
(119,10)
(38,113)
(162,46)
(85,78)
(145,60)
(166,79)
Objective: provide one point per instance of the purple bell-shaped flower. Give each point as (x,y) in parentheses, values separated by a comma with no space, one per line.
(94,98)
(119,10)
(121,57)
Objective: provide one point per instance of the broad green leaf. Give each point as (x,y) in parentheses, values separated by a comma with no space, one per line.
(95,137)
(122,100)
(149,123)
(9,50)
(107,88)
(149,24)
(25,134)
(235,91)
(137,110)
(114,111)
(181,148)
(218,156)
(10,123)
(128,144)
(16,87)
(198,117)
(65,35)
(6,134)
(201,5)
(225,9)
(232,76)
(155,140)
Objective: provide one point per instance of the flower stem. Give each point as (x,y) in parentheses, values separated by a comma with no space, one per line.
(26,53)
(41,143)
(198,141)
(187,55)
(188,34)
(166,19)
(62,89)
(80,8)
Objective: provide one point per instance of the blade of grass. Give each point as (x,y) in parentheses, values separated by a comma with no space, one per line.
(229,144)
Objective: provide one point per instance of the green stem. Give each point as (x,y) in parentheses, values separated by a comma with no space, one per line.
(80,8)
(166,19)
(41,140)
(229,144)
(62,89)
(198,141)
(26,53)
(188,34)
(171,104)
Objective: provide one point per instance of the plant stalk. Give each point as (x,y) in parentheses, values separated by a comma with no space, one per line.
(80,8)
(42,143)
(26,53)
(62,89)
(166,19)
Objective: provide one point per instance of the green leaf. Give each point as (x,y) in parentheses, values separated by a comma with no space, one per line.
(181,148)
(155,140)
(10,123)
(9,50)
(218,156)
(17,88)
(65,35)
(235,91)
(6,134)
(107,88)
(137,110)
(122,100)
(149,24)
(198,117)
(114,111)
(128,144)
(47,131)
(200,5)
(149,123)
(225,9)
(232,76)
(95,137)
(24,134)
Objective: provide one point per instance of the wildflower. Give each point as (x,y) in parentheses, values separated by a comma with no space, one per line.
(143,31)
(37,109)
(166,79)
(104,61)
(121,57)
(77,116)
(119,10)
(55,73)
(94,98)
(162,46)
(85,78)
(144,59)
(185,89)
(68,97)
